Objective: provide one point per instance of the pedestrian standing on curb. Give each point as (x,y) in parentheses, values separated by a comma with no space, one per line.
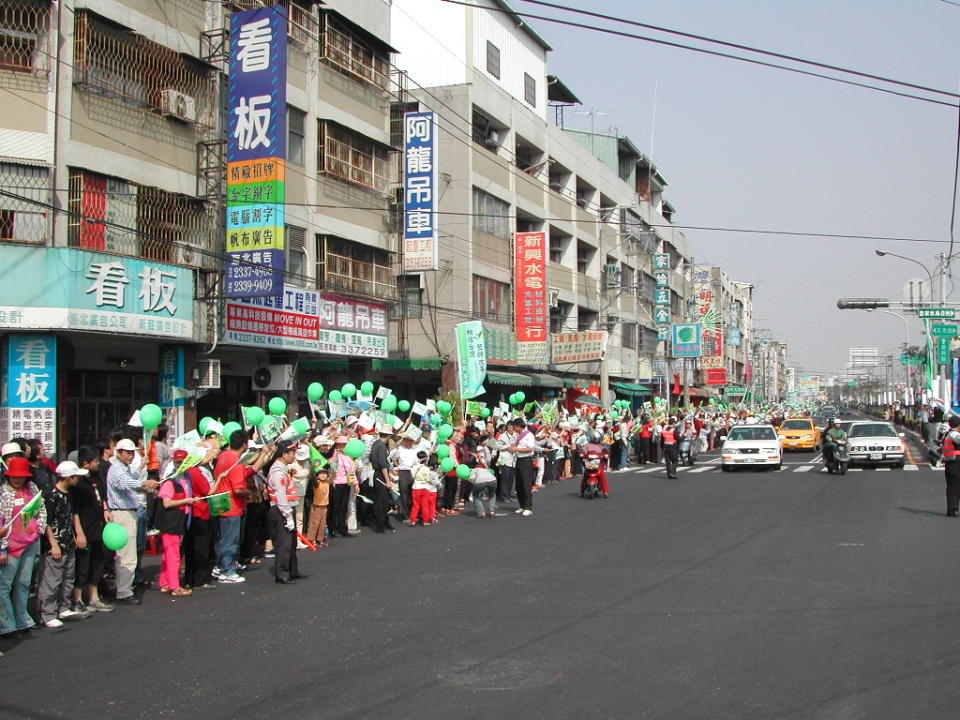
(174,515)
(231,477)
(404,458)
(90,504)
(381,481)
(284,498)
(951,466)
(425,484)
(523,449)
(669,442)
(316,532)
(19,546)
(62,537)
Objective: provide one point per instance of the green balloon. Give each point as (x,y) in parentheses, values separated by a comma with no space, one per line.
(390,419)
(230,428)
(115,536)
(404,406)
(485,413)
(434,420)
(254,416)
(202,425)
(277,406)
(520,396)
(366,388)
(335,396)
(445,431)
(348,390)
(354,449)
(444,407)
(151,415)
(448,464)
(389,403)
(443,451)
(314,392)
(463,472)
(301,425)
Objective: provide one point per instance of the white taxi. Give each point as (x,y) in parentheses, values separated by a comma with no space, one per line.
(751,446)
(875,443)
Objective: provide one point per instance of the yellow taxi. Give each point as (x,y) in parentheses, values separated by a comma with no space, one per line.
(799,433)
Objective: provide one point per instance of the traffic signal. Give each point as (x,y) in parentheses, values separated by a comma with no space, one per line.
(862,303)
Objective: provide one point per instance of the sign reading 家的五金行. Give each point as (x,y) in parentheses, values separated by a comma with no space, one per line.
(73,289)
(530,297)
(302,319)
(420,192)
(29,398)
(256,153)
(471,359)
(687,340)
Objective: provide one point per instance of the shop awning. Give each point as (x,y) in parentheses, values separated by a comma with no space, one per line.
(408,364)
(331,364)
(545,380)
(498,377)
(702,392)
(632,388)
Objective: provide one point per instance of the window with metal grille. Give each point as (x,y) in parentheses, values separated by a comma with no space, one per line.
(113,215)
(352,157)
(491,300)
(493,60)
(397,111)
(628,335)
(529,90)
(296,252)
(23,219)
(122,64)
(25,36)
(303,27)
(345,51)
(410,298)
(491,214)
(296,120)
(352,267)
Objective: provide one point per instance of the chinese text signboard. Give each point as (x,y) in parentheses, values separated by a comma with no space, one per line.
(74,289)
(501,346)
(256,149)
(716,377)
(687,340)
(420,192)
(530,300)
(310,321)
(586,346)
(29,402)
(471,358)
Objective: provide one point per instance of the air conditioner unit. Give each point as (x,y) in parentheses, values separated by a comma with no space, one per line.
(209,374)
(273,377)
(554,297)
(179,105)
(493,138)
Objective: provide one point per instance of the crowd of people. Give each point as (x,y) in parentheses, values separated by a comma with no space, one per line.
(248,499)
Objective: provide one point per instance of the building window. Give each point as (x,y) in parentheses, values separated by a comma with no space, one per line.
(585,255)
(529,90)
(491,214)
(345,51)
(124,65)
(559,316)
(352,157)
(24,35)
(303,27)
(296,253)
(296,120)
(491,300)
(628,336)
(586,319)
(493,60)
(24,220)
(397,111)
(352,267)
(627,276)
(113,215)
(409,298)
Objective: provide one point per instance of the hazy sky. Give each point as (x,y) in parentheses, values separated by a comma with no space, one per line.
(751,147)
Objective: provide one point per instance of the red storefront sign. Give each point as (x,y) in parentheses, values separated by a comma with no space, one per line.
(716,377)
(530,286)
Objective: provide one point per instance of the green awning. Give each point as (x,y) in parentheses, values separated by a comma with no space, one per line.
(632,388)
(509,378)
(408,364)
(578,382)
(545,380)
(331,364)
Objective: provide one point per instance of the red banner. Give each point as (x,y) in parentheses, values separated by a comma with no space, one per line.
(716,377)
(530,286)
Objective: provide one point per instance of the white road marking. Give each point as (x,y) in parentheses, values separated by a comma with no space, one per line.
(804,468)
(910,468)
(703,469)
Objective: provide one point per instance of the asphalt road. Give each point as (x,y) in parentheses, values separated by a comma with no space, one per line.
(791,594)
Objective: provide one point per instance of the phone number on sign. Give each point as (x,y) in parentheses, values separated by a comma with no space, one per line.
(364,350)
(240,287)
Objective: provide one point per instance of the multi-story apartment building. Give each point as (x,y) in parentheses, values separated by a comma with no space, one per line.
(726,307)
(508,166)
(116,226)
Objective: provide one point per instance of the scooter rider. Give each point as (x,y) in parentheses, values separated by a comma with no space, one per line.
(834,434)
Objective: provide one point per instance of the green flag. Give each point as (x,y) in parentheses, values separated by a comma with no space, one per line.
(32,508)
(219,503)
(195,456)
(318,460)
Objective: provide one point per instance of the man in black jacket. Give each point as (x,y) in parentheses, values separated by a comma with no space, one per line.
(381,481)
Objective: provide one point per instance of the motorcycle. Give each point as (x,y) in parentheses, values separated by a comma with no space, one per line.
(688,450)
(840,458)
(594,456)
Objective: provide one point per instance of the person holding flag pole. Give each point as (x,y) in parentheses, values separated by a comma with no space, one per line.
(23,519)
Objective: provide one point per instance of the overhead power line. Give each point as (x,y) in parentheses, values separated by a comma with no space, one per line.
(716,53)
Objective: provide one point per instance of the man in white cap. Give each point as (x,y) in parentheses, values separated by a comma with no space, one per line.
(404,458)
(122,488)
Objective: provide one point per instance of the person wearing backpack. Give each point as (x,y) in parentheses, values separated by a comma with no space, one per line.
(173,515)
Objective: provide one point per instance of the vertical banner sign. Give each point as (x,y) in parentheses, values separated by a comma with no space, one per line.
(30,389)
(173,374)
(256,151)
(471,359)
(420,192)
(530,299)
